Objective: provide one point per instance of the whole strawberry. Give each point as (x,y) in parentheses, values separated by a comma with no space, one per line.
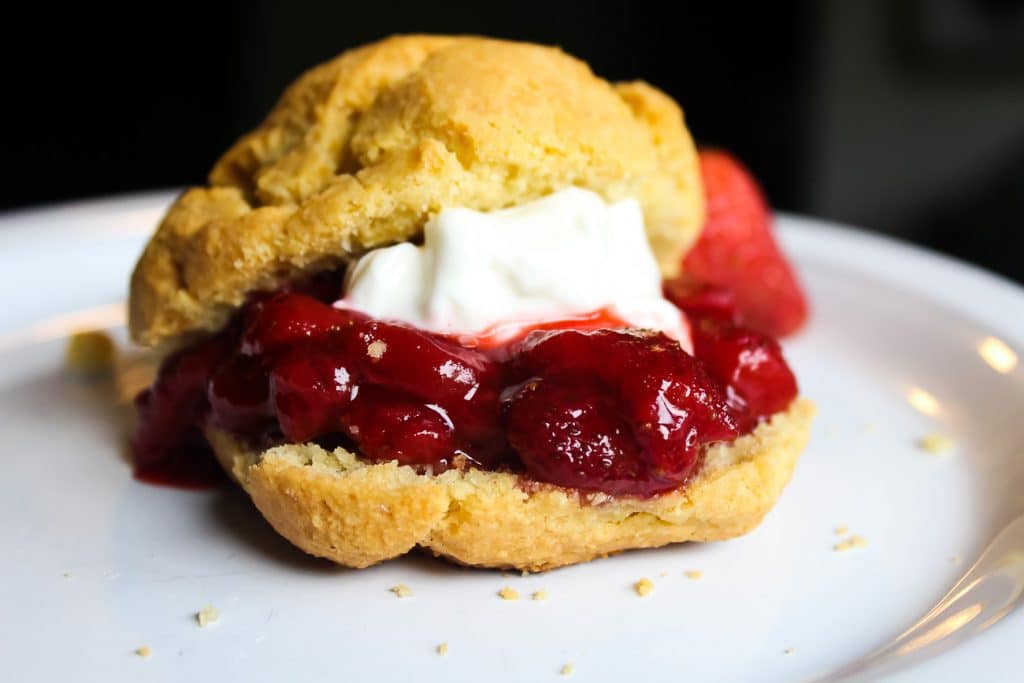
(737,251)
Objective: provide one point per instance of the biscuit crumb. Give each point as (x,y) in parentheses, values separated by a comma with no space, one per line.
(90,353)
(525,572)
(508,593)
(207,616)
(788,651)
(566,670)
(442,649)
(643,587)
(935,443)
(842,530)
(67,575)
(401,591)
(376,349)
(541,594)
(851,542)
(694,574)
(143,651)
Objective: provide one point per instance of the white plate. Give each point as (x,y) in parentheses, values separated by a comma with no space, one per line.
(96,564)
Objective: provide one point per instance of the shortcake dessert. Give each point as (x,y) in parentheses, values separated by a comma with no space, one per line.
(443,298)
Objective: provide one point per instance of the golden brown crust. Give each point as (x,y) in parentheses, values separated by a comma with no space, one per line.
(361,150)
(333,505)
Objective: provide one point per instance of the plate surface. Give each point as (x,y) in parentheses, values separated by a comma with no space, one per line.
(902,344)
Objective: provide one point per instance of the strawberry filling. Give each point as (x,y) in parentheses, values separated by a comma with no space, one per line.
(623,412)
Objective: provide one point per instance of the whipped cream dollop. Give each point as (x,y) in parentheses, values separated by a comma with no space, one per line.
(497,273)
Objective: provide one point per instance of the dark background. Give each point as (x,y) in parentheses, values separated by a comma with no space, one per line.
(904,116)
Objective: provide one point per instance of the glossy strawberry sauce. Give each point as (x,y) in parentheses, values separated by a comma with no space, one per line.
(618,411)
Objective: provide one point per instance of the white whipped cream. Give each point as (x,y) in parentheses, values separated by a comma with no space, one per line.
(497,273)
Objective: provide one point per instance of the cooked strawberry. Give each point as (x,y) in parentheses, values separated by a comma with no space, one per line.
(737,251)
(701,301)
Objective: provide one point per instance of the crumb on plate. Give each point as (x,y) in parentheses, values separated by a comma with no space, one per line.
(935,443)
(842,530)
(207,616)
(442,649)
(644,587)
(90,353)
(788,651)
(854,541)
(566,670)
(694,574)
(143,651)
(541,594)
(508,593)
(401,591)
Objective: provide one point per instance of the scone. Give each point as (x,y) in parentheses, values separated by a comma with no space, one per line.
(421,305)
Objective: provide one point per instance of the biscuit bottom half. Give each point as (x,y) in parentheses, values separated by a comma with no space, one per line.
(334,505)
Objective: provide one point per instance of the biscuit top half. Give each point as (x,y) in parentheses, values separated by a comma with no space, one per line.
(362,150)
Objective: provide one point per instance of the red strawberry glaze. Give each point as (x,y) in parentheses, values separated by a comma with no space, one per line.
(498,338)
(757,379)
(168,447)
(613,411)
(701,301)
(571,403)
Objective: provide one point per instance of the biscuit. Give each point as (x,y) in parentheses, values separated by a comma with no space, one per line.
(334,505)
(360,151)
